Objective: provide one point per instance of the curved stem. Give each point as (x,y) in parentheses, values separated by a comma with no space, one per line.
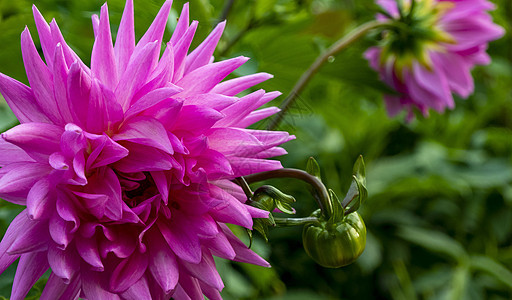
(313,69)
(286,222)
(323,200)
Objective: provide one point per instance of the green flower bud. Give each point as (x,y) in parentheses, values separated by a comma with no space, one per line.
(337,244)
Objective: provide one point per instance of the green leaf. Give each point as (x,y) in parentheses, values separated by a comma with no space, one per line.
(313,168)
(357,190)
(434,241)
(492,267)
(285,207)
(337,209)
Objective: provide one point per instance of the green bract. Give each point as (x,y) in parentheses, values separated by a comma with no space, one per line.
(335,245)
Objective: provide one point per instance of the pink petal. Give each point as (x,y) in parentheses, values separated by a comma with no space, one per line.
(56,289)
(139,68)
(234,86)
(155,32)
(103,64)
(88,250)
(79,89)
(203,53)
(30,268)
(150,99)
(39,199)
(143,159)
(180,48)
(128,272)
(45,36)
(182,25)
(162,263)
(40,78)
(21,100)
(125,39)
(139,290)
(243,254)
(64,263)
(18,178)
(92,286)
(205,78)
(145,131)
(183,242)
(206,272)
(10,153)
(38,140)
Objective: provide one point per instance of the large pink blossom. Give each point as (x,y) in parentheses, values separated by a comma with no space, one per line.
(425,65)
(125,167)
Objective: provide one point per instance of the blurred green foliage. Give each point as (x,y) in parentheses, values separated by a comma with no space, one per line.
(439,212)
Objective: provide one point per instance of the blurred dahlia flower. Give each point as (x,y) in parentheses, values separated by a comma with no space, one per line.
(126,167)
(433,51)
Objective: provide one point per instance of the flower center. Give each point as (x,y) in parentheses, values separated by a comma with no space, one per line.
(418,31)
(138,188)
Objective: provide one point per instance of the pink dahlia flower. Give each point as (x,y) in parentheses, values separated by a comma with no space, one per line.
(125,167)
(433,53)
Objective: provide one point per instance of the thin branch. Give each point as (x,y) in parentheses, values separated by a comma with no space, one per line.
(337,47)
(323,201)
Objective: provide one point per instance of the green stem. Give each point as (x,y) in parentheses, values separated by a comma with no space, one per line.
(287,222)
(324,202)
(337,47)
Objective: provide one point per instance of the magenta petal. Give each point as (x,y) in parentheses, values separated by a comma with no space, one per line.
(182,25)
(60,231)
(234,86)
(150,99)
(210,292)
(243,166)
(30,268)
(203,53)
(56,289)
(79,89)
(257,116)
(10,236)
(104,111)
(204,79)
(139,290)
(45,36)
(232,211)
(189,115)
(39,199)
(21,100)
(145,131)
(10,153)
(64,263)
(206,271)
(106,151)
(17,179)
(125,39)
(143,158)
(183,242)
(103,64)
(33,236)
(88,249)
(128,272)
(40,78)
(220,246)
(156,31)
(139,68)
(243,253)
(60,81)
(191,287)
(37,139)
(92,286)
(162,263)
(181,49)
